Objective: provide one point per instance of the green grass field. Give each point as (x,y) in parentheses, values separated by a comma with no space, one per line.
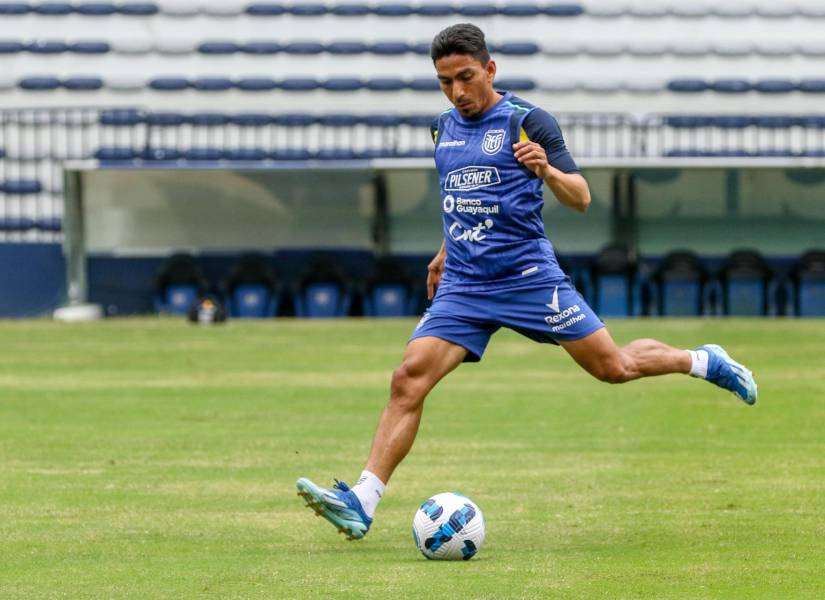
(153,459)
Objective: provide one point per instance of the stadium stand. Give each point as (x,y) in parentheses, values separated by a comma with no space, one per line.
(179,283)
(251,291)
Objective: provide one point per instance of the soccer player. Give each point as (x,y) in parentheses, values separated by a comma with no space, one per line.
(496,268)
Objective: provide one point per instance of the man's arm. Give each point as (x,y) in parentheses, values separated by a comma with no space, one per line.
(434,271)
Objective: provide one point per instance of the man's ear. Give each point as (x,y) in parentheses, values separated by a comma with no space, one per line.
(491,70)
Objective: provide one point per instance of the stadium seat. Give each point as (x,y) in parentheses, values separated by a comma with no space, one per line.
(733,10)
(303,48)
(180,8)
(156,153)
(516,48)
(89,47)
(169,84)
(251,289)
(687,85)
(212,84)
(256,84)
(218,47)
(207,119)
(95,9)
(203,154)
(82,83)
(346,47)
(604,49)
(563,10)
(178,285)
(16,224)
(424,84)
(689,10)
(774,86)
(265,9)
(46,47)
(775,10)
(294,119)
(393,10)
(745,278)
(245,154)
(261,47)
(323,291)
(617,292)
(812,86)
(435,10)
(516,84)
(138,9)
(14,8)
(175,45)
(53,224)
(809,279)
(385,84)
(733,48)
(776,49)
(108,153)
(309,9)
(641,9)
(388,291)
(11,47)
(477,10)
(21,186)
(251,119)
(53,9)
(39,83)
(646,48)
(338,120)
(132,45)
(389,48)
(298,84)
(731,86)
(678,285)
(520,10)
(165,119)
(338,154)
(221,9)
(342,84)
(350,10)
(290,154)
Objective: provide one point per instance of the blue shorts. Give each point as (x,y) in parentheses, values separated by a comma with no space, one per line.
(547,312)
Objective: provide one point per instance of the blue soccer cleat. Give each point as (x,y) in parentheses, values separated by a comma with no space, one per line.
(729,374)
(340,506)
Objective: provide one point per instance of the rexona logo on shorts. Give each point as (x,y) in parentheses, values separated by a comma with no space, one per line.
(471,178)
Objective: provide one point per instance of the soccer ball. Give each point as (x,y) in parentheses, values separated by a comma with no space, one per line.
(449,526)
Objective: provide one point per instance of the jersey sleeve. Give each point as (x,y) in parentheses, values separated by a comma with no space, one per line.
(541,127)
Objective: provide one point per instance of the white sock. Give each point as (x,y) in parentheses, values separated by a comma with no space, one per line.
(369,490)
(698,363)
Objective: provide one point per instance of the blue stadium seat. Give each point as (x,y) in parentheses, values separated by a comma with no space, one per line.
(810,121)
(389,48)
(323,300)
(745,278)
(265,9)
(207,119)
(477,10)
(516,48)
(177,299)
(11,47)
(218,47)
(138,9)
(680,285)
(379,120)
(731,86)
(251,119)
(350,10)
(421,48)
(14,8)
(337,154)
(774,86)
(393,10)
(809,277)
(248,154)
(687,85)
(53,9)
(563,10)
(39,83)
(303,48)
(21,186)
(435,10)
(774,121)
(115,153)
(387,300)
(385,84)
(520,10)
(256,84)
(156,153)
(252,301)
(687,121)
(165,119)
(775,152)
(212,84)
(16,224)
(424,120)
(307,9)
(346,47)
(338,120)
(812,86)
(730,121)
(424,84)
(53,224)
(299,84)
(82,83)
(2,153)
(416,153)
(342,84)
(295,119)
(729,153)
(617,292)
(46,47)
(290,154)
(95,9)
(203,153)
(90,47)
(168,84)
(262,47)
(516,84)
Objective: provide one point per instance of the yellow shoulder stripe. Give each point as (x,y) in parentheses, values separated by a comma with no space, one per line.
(523,136)
(435,134)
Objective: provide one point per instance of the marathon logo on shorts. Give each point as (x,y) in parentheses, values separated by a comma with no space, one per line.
(471,178)
(563,318)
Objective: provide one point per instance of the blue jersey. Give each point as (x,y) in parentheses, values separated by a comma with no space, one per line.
(491,203)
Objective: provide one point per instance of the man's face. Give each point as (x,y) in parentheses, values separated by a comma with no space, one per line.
(467,83)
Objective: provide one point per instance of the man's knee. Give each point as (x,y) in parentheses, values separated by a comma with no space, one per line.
(408,386)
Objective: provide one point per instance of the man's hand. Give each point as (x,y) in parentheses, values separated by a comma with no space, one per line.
(434,271)
(532,156)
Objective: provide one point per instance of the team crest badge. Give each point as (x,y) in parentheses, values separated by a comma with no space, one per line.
(493,141)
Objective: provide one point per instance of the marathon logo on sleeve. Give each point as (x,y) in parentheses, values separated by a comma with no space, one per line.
(471,178)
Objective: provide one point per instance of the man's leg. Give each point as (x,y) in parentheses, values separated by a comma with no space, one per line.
(599,355)
(426,360)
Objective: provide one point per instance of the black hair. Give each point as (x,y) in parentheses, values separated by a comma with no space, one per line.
(463,38)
